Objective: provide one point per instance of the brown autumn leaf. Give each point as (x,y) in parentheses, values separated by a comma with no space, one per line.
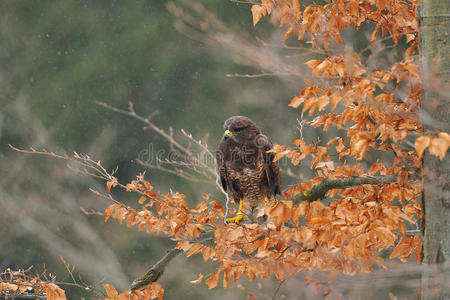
(184,245)
(111,292)
(417,244)
(439,146)
(54,292)
(109,210)
(258,12)
(195,249)
(269,5)
(112,183)
(296,101)
(6,286)
(142,200)
(154,290)
(421,143)
(208,253)
(353,8)
(213,280)
(235,234)
(403,249)
(313,63)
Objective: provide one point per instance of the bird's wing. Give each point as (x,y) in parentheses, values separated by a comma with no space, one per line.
(272,169)
(220,157)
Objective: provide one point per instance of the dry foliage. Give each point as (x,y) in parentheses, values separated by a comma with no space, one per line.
(349,234)
(20,284)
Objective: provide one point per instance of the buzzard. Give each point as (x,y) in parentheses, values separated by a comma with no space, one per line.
(246,169)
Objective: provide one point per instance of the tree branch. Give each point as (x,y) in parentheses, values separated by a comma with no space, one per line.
(319,191)
(156,270)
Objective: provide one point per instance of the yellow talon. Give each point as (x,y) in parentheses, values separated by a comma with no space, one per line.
(239,216)
(266,202)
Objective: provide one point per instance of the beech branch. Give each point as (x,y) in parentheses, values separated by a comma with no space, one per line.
(155,272)
(319,191)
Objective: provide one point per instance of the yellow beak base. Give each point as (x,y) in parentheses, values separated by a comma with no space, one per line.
(229,133)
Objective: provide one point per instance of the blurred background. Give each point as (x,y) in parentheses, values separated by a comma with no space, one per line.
(57,60)
(183,59)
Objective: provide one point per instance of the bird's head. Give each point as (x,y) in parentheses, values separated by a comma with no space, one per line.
(240,129)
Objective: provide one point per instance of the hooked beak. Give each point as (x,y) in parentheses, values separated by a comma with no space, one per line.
(228,133)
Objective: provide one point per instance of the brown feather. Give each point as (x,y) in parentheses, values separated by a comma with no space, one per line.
(246,170)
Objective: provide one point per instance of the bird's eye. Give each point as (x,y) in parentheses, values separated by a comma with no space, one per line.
(238,129)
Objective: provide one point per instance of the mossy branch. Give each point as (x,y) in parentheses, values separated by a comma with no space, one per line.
(319,191)
(156,270)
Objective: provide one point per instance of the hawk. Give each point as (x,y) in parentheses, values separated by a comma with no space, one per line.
(246,169)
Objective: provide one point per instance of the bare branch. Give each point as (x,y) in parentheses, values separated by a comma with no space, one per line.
(155,272)
(277,289)
(131,112)
(176,172)
(259,75)
(186,157)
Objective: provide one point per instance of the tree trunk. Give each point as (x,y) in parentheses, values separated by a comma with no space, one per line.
(434,33)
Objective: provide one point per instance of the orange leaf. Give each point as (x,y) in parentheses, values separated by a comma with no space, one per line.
(109,210)
(403,249)
(54,292)
(236,234)
(111,183)
(313,63)
(353,8)
(142,199)
(184,245)
(208,253)
(154,290)
(212,281)
(296,101)
(111,292)
(268,4)
(258,11)
(445,136)
(195,249)
(418,245)
(439,146)
(421,143)
(226,277)
(375,32)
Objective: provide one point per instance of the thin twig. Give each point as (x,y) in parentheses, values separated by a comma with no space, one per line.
(259,75)
(131,112)
(276,291)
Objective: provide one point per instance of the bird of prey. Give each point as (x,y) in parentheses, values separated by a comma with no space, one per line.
(246,169)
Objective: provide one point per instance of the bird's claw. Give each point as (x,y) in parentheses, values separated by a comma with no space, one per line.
(236,219)
(266,202)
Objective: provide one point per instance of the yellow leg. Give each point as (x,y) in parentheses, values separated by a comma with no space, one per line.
(266,202)
(239,216)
